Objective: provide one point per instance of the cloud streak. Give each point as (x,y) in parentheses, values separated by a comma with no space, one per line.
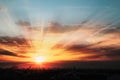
(9,53)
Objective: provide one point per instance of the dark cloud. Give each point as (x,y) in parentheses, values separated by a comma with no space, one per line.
(23,23)
(13,41)
(77,47)
(13,46)
(18,45)
(5,52)
(113,29)
(21,44)
(9,53)
(55,27)
(108,52)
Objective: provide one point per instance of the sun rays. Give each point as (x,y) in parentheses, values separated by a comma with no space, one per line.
(50,41)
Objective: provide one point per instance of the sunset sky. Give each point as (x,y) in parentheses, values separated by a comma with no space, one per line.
(72,32)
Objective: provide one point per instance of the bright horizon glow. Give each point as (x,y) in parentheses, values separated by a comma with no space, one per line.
(39,59)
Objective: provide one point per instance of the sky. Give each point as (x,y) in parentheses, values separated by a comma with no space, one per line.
(71,32)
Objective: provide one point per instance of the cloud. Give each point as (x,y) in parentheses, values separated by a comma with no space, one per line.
(101,53)
(9,53)
(5,52)
(23,23)
(13,41)
(2,9)
(108,52)
(51,27)
(82,48)
(55,27)
(16,45)
(113,29)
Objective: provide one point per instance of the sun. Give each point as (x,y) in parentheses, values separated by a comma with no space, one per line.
(39,59)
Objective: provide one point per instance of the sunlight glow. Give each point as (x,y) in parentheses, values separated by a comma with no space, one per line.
(39,59)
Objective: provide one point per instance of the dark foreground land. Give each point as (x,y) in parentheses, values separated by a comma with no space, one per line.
(59,74)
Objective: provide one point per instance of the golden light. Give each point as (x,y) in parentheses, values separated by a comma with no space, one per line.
(49,47)
(40,59)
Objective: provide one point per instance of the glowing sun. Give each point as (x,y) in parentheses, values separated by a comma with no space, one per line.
(39,59)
